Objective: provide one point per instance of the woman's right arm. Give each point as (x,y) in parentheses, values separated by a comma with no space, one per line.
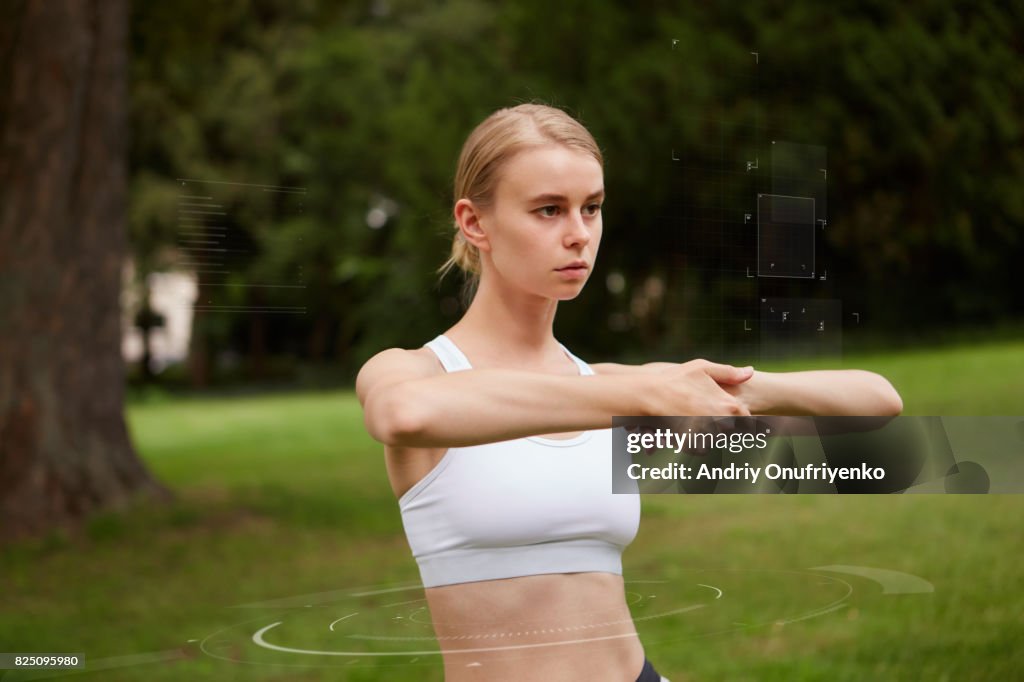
(408,402)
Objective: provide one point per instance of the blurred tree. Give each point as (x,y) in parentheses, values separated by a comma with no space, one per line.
(64,446)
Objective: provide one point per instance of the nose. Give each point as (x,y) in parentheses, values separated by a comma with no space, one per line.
(577,233)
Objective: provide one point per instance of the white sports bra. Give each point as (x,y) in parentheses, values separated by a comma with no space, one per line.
(520,507)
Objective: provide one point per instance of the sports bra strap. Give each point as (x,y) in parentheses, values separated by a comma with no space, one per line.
(584,367)
(449,354)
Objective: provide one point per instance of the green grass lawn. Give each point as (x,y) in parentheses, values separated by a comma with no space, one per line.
(285,498)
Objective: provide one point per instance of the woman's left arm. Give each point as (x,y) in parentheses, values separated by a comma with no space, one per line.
(834,393)
(842,392)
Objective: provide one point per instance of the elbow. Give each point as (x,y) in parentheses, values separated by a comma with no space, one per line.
(895,403)
(889,401)
(878,398)
(394,417)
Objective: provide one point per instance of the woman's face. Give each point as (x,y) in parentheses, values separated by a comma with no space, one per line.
(544,225)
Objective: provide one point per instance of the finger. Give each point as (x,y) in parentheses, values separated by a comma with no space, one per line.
(727,374)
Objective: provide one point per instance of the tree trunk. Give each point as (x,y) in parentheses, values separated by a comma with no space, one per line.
(64,446)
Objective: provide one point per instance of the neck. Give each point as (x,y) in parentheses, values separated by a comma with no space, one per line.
(522,322)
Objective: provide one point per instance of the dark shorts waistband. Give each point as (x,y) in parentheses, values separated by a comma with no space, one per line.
(648,673)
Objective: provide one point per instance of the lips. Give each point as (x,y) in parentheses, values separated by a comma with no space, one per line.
(575,265)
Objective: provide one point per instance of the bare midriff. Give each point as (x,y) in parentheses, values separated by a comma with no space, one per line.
(565,626)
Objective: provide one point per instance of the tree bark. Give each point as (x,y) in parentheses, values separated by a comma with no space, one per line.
(65,450)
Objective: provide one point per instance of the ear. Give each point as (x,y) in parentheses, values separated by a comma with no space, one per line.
(468,215)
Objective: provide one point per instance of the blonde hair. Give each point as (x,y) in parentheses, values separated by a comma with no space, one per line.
(497,139)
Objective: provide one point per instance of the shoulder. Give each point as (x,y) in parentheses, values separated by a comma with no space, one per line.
(395,365)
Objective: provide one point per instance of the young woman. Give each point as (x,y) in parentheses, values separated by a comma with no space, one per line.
(497,438)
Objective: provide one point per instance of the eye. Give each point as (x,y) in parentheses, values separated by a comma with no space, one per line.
(593,209)
(548,211)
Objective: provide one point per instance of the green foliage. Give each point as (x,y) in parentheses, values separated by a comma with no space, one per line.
(367,106)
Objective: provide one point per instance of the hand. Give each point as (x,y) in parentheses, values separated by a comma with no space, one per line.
(747,392)
(699,388)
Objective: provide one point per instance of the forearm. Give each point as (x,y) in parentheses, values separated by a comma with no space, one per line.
(485,406)
(824,392)
(646,368)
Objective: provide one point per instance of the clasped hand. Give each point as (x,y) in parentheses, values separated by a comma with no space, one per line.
(700,387)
